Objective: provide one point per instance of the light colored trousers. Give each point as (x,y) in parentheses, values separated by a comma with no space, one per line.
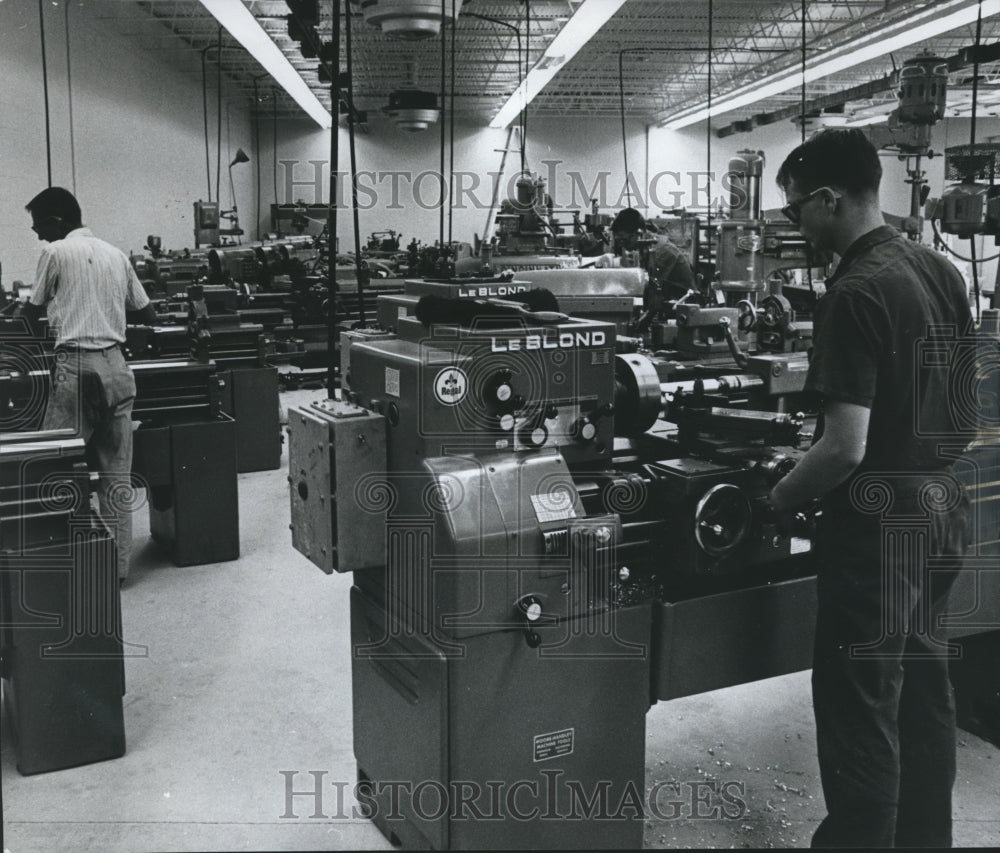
(92,393)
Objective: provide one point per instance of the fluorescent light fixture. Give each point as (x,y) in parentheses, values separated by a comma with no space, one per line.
(936,20)
(576,32)
(243,27)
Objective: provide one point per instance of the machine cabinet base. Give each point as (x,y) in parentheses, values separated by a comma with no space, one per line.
(491,743)
(63,652)
(190,469)
(250,397)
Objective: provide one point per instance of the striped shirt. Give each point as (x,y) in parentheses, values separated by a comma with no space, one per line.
(87,285)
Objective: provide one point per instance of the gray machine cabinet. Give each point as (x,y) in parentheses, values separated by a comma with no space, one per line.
(495,714)
(332,447)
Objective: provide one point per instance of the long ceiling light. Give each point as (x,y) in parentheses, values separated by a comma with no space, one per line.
(243,27)
(576,32)
(936,20)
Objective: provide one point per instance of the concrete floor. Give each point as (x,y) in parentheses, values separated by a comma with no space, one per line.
(240,671)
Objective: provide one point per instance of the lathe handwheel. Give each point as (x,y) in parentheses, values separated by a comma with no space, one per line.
(747,318)
(777,311)
(722,519)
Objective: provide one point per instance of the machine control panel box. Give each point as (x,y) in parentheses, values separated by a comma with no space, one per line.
(332,446)
(511,388)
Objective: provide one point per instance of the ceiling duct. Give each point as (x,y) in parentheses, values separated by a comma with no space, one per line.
(410,20)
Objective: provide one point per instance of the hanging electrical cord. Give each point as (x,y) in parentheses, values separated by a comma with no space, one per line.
(256,143)
(218,110)
(975,74)
(802,109)
(975,275)
(444,113)
(957,255)
(331,216)
(274,151)
(527,71)
(69,95)
(361,270)
(972,141)
(45,88)
(802,119)
(451,123)
(708,122)
(204,110)
(621,109)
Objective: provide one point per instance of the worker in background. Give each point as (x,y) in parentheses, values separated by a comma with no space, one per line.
(885,714)
(670,273)
(86,285)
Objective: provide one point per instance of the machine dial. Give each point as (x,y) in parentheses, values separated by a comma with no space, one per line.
(722,519)
(535,436)
(584,429)
(498,392)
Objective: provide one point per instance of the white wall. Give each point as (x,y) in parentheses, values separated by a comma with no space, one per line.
(140,162)
(137,133)
(575,156)
(685,150)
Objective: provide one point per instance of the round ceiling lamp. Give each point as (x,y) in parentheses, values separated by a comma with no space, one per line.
(409,19)
(413,110)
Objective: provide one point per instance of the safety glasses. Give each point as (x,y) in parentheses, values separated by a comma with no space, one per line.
(793,210)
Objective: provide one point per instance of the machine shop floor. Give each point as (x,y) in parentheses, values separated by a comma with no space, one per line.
(239,679)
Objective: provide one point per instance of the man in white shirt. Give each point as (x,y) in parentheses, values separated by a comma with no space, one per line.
(86,285)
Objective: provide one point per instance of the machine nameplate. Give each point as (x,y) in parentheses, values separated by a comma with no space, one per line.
(798,545)
(553,506)
(561,340)
(392,381)
(502,290)
(450,386)
(554,744)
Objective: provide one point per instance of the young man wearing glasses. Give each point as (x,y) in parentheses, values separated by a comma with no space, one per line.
(86,285)
(885,717)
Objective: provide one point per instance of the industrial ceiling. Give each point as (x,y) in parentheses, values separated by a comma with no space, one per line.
(666,64)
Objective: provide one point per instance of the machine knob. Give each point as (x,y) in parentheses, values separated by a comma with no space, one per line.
(507,422)
(535,436)
(531,608)
(584,430)
(498,392)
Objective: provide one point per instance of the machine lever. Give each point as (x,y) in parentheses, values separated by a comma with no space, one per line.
(740,357)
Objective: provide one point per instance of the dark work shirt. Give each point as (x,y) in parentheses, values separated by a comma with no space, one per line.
(892,333)
(670,273)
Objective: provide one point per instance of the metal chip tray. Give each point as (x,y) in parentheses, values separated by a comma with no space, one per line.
(170,389)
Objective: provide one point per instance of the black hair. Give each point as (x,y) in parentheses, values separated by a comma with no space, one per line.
(838,157)
(628,221)
(57,203)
